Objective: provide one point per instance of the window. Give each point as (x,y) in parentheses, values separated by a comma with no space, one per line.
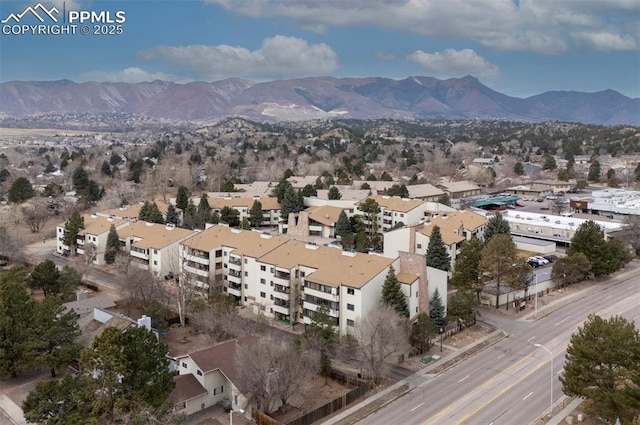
(155,262)
(273,269)
(271,296)
(263,281)
(351,291)
(263,268)
(218,390)
(350,322)
(351,307)
(224,253)
(184,365)
(199,372)
(155,251)
(246,286)
(246,274)
(263,295)
(417,294)
(419,246)
(303,274)
(246,260)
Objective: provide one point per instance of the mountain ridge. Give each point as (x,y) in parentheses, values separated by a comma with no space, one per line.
(414,97)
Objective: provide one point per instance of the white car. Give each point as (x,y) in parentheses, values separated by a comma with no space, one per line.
(541,260)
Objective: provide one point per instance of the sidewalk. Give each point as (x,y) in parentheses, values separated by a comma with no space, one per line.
(566,411)
(12,410)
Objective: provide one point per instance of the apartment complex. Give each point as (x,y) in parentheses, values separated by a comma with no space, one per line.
(243,204)
(95,231)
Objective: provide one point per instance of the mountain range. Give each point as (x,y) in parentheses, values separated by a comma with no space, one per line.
(315,98)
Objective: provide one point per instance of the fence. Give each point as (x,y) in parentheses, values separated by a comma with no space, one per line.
(331,407)
(263,419)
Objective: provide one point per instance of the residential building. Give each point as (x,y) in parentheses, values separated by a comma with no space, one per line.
(317,221)
(153,246)
(243,204)
(210,376)
(460,189)
(95,232)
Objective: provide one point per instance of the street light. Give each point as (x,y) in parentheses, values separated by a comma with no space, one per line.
(535,278)
(231,412)
(551,381)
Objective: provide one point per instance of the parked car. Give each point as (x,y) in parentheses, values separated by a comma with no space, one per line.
(533,263)
(542,259)
(550,258)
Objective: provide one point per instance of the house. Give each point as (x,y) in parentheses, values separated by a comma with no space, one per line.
(461,189)
(210,376)
(425,192)
(95,232)
(153,246)
(484,162)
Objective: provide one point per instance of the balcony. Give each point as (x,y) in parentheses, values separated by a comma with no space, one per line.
(234,277)
(281,296)
(197,259)
(80,241)
(139,253)
(141,264)
(329,297)
(196,270)
(282,289)
(235,261)
(333,312)
(235,290)
(281,309)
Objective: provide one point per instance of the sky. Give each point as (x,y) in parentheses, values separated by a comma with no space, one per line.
(518,47)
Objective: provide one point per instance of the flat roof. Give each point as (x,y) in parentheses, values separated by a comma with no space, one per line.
(153,235)
(553,221)
(495,200)
(532,241)
(396,203)
(239,201)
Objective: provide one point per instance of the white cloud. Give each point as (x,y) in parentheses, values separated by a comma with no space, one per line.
(451,62)
(605,41)
(385,57)
(278,57)
(131,75)
(543,26)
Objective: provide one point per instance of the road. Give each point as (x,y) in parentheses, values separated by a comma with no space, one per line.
(510,382)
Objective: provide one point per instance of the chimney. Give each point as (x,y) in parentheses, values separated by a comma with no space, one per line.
(145,322)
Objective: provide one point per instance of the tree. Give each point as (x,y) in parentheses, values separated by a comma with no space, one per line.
(309,190)
(437,255)
(150,213)
(256,217)
(334,193)
(172,215)
(548,162)
(35,217)
(461,308)
(291,203)
(437,311)
(106,169)
(56,331)
(322,326)
(325,365)
(398,190)
(496,262)
(496,224)
(563,175)
(182,199)
(203,214)
(20,191)
(465,271)
(58,402)
(80,178)
(126,369)
(581,184)
(518,168)
(371,209)
(392,295)
(571,269)
(421,333)
(281,189)
(229,215)
(385,177)
(113,246)
(4,175)
(218,317)
(343,225)
(17,311)
(381,334)
(71,230)
(45,276)
(594,171)
(189,216)
(68,281)
(444,199)
(603,366)
(589,239)
(11,244)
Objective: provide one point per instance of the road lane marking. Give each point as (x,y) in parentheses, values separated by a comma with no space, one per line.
(416,407)
(608,296)
(501,356)
(529,340)
(560,371)
(566,318)
(464,378)
(527,396)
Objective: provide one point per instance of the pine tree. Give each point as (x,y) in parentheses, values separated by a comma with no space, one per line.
(437,255)
(594,171)
(518,168)
(203,214)
(182,199)
(325,365)
(334,193)
(291,203)
(256,217)
(343,225)
(322,325)
(436,310)
(172,215)
(20,191)
(392,294)
(45,276)
(465,271)
(589,239)
(496,224)
(71,229)
(113,245)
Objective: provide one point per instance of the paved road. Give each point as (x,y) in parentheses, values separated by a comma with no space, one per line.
(510,382)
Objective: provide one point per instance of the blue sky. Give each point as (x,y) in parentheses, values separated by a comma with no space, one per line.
(520,48)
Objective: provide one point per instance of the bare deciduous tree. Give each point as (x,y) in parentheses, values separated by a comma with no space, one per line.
(138,285)
(35,217)
(11,245)
(218,317)
(381,334)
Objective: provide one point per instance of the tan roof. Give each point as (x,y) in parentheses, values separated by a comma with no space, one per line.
(407,278)
(133,210)
(449,231)
(298,182)
(268,203)
(96,225)
(395,203)
(454,219)
(246,242)
(153,235)
(327,214)
(423,191)
(461,186)
(95,328)
(332,267)
(186,388)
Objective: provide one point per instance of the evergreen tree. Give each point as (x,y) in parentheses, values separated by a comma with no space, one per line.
(291,203)
(461,308)
(444,199)
(80,179)
(343,225)
(172,215)
(189,216)
(203,214)
(334,193)
(281,190)
(71,229)
(230,216)
(548,162)
(182,199)
(436,310)
(20,191)
(43,403)
(322,325)
(497,261)
(421,333)
(106,168)
(113,246)
(256,217)
(589,240)
(563,175)
(245,224)
(496,224)
(518,168)
(594,171)
(309,190)
(465,271)
(571,269)
(437,255)
(392,295)
(398,190)
(385,177)
(45,276)
(150,213)
(215,217)
(603,366)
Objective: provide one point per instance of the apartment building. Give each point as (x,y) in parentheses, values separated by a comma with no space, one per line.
(153,246)
(395,211)
(317,221)
(95,231)
(270,207)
